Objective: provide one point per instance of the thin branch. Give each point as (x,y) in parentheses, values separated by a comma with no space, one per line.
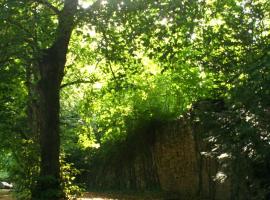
(49,5)
(18,25)
(77,82)
(107,56)
(110,66)
(29,39)
(4,61)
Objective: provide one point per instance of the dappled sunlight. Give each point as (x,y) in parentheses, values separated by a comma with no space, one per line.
(85,3)
(95,198)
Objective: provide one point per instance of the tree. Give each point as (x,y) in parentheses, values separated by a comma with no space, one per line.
(44,75)
(50,72)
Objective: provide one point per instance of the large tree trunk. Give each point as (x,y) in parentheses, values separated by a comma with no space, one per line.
(48,93)
(50,74)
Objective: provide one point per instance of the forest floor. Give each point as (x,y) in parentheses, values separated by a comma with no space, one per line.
(5,195)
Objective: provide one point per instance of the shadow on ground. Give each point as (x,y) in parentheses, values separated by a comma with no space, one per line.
(5,195)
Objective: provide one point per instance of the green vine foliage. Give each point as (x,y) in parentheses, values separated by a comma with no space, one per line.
(68,175)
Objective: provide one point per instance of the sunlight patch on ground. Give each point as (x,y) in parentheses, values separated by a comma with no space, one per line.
(95,199)
(5,195)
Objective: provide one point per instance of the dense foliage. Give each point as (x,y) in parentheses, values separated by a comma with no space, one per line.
(131,62)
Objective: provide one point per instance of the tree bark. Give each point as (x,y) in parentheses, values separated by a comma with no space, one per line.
(50,74)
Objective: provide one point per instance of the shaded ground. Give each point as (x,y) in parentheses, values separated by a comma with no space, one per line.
(5,195)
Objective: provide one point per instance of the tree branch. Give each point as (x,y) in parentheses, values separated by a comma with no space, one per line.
(65,27)
(77,82)
(4,61)
(49,5)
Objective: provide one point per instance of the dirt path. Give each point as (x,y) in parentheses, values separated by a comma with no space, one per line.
(115,196)
(5,195)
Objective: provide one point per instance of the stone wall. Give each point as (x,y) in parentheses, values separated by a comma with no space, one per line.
(166,157)
(183,168)
(176,160)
